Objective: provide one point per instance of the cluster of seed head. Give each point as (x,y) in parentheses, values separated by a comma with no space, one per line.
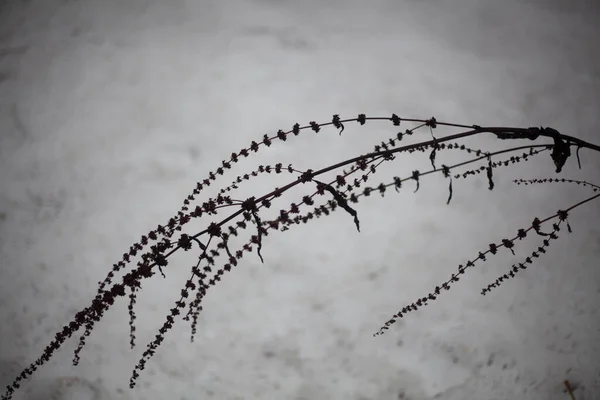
(493,250)
(155,247)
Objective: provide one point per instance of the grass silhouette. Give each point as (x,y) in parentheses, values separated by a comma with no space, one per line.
(324,196)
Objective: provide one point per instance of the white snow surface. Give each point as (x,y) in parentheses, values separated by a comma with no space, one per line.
(111,111)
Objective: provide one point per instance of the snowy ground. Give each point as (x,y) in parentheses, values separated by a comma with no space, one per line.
(111,111)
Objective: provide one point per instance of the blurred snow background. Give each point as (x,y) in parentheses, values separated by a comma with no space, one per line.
(112,110)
